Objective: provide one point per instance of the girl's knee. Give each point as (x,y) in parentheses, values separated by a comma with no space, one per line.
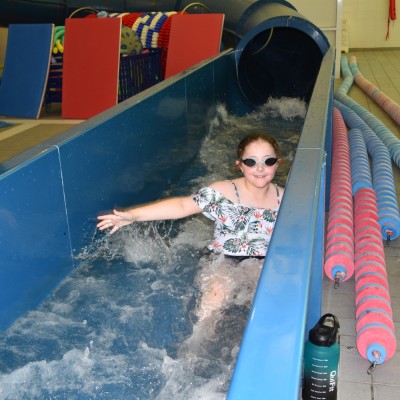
(212,299)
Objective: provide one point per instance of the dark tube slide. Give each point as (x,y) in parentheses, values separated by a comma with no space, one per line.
(279,51)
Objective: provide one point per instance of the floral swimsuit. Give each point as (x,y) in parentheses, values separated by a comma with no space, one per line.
(239,230)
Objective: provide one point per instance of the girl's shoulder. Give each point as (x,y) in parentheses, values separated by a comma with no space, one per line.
(226,188)
(221,186)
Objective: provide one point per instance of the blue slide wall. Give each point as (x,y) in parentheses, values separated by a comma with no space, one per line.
(50,196)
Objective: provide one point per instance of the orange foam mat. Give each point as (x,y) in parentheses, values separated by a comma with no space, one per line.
(91,66)
(193,38)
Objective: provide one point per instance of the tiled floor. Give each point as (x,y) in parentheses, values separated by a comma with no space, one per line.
(22,134)
(382,69)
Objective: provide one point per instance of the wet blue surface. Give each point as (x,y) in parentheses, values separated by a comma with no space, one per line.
(116,327)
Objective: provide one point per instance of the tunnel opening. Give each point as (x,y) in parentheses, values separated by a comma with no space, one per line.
(279,62)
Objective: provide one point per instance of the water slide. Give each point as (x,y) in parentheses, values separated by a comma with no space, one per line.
(51,193)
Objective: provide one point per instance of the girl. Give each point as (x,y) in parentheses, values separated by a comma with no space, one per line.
(244,210)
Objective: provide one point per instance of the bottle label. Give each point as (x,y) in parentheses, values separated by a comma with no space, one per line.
(332,381)
(320,378)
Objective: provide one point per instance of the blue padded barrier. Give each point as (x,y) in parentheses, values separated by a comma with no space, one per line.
(51,194)
(271,352)
(34,234)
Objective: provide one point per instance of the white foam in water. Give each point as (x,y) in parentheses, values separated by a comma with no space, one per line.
(131,321)
(138,248)
(79,374)
(183,384)
(221,117)
(285,107)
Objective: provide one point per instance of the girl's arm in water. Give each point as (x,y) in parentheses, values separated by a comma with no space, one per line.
(172,208)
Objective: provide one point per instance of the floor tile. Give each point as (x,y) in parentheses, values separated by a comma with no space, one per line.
(353,367)
(382,392)
(388,373)
(359,391)
(342,305)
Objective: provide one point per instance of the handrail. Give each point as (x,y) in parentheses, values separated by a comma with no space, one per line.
(288,296)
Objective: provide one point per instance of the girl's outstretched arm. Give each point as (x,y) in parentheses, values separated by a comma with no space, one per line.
(172,208)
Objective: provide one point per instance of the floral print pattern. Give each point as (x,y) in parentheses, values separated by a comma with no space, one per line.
(239,230)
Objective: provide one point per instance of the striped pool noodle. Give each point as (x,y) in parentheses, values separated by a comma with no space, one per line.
(380,98)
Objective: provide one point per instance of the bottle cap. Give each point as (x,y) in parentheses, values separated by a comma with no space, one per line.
(324,335)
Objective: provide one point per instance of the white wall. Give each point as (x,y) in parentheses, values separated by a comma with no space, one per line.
(326,14)
(367,20)
(366,23)
(320,12)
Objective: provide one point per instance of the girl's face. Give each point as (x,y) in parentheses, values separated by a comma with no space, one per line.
(260,174)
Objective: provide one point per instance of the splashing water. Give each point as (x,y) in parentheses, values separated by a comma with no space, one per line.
(285,107)
(131,321)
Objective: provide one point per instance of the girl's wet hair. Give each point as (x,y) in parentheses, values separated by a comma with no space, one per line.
(253,137)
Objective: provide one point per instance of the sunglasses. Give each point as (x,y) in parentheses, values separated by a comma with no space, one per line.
(252,161)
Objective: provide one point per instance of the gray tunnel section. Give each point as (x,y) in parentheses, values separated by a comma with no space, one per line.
(280,51)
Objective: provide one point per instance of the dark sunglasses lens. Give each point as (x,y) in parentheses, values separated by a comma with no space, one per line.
(249,162)
(270,161)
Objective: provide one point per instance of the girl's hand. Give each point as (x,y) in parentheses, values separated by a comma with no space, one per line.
(114,221)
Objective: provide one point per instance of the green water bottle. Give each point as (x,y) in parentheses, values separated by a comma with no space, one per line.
(321,361)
